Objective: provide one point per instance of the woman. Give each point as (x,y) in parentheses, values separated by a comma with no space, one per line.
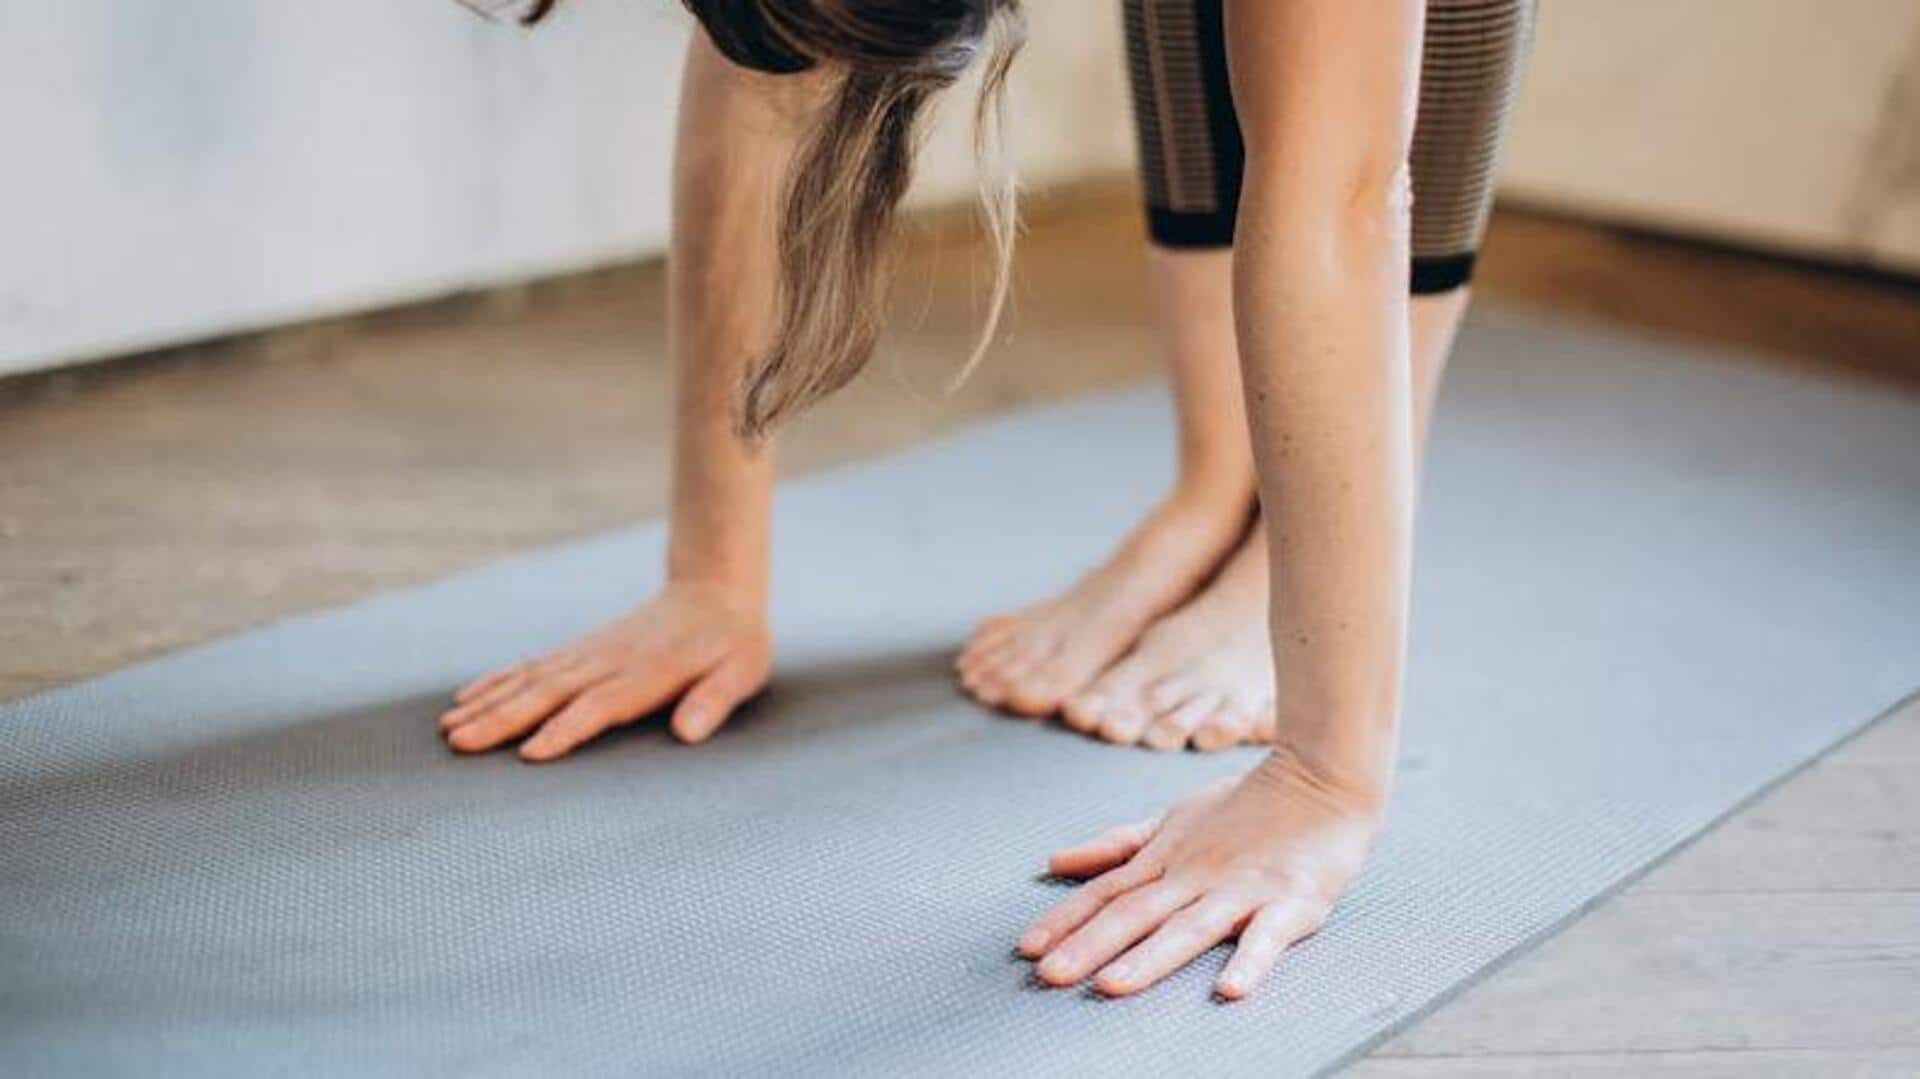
(1277,136)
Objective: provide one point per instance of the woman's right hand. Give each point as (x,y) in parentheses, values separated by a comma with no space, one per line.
(704,645)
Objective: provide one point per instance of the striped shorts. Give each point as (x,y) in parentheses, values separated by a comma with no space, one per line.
(1191,154)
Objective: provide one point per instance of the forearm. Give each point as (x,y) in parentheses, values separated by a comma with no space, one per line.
(738,130)
(1323,337)
(1321,313)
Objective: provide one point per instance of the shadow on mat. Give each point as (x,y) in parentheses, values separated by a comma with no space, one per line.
(396,744)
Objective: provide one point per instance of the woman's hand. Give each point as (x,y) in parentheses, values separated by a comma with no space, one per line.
(705,645)
(1264,858)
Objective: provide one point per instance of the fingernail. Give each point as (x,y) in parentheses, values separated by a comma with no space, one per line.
(1032,942)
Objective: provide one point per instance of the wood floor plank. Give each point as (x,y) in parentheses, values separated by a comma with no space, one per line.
(1849,823)
(1897,1063)
(1693,972)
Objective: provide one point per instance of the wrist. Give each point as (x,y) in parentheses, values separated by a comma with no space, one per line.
(1356,778)
(1341,735)
(732,586)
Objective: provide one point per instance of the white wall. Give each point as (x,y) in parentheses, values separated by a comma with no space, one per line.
(176,170)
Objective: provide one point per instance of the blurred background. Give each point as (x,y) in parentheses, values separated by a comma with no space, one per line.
(186,170)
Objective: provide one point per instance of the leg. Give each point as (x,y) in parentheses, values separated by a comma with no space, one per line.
(1472,53)
(1203,674)
(1434,322)
(1031,660)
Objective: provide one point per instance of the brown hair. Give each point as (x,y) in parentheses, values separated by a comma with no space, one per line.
(891,57)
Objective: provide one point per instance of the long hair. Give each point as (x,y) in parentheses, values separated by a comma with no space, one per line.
(890,58)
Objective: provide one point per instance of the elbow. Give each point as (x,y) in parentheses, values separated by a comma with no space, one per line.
(1358,211)
(1378,198)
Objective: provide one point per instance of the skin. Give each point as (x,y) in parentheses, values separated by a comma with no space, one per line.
(1321,329)
(1030,662)
(1199,673)
(703,641)
(1327,93)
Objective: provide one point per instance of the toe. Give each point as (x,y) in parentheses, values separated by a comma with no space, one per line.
(1124,724)
(1037,690)
(984,684)
(978,656)
(1265,728)
(1000,678)
(1170,730)
(1225,728)
(1039,686)
(1085,711)
(1171,692)
(1088,709)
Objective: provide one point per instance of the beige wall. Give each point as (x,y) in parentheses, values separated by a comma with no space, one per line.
(189,169)
(1782,123)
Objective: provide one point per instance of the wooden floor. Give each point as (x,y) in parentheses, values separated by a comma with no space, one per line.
(163,500)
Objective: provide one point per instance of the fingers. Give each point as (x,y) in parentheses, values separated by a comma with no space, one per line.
(608,704)
(713,699)
(1117,926)
(485,682)
(1208,921)
(1273,929)
(496,688)
(1104,851)
(1068,914)
(515,713)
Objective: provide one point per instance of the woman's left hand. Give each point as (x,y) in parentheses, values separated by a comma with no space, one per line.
(1263,858)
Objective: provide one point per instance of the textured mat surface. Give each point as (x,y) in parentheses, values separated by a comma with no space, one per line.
(1648,585)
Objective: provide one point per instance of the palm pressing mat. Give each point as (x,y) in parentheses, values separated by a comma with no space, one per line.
(1648,585)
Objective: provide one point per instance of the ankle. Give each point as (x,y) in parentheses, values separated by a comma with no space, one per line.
(1196,522)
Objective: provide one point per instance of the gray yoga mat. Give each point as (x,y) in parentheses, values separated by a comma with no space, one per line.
(1650,582)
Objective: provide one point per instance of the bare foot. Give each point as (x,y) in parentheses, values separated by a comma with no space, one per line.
(1029,662)
(1201,676)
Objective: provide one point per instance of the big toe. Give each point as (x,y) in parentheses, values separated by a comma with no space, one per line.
(989,635)
(1038,690)
(999,678)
